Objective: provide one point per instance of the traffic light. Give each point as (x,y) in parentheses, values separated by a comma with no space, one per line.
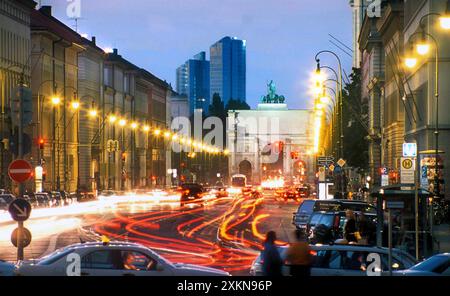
(41,143)
(124,156)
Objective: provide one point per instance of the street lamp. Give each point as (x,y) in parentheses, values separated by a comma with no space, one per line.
(423,48)
(56,101)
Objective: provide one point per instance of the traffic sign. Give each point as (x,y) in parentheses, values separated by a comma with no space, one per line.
(341,163)
(407,171)
(20,210)
(332,167)
(20,171)
(26,237)
(410,150)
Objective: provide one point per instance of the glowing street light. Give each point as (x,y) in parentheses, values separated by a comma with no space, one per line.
(410,62)
(134,125)
(93,113)
(423,48)
(157,132)
(75,105)
(122,122)
(112,118)
(445,21)
(146,128)
(56,101)
(167,135)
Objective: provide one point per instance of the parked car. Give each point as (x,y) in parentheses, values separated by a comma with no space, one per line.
(43,199)
(438,265)
(327,227)
(112,259)
(191,193)
(305,210)
(343,260)
(6,268)
(5,200)
(31,198)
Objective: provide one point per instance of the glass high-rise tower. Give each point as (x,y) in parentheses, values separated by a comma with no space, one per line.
(228,69)
(193,81)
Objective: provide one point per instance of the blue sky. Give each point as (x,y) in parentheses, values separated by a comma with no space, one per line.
(282,36)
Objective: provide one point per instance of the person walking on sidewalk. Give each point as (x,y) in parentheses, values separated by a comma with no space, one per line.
(272,263)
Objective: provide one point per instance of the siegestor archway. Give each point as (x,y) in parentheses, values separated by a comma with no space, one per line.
(245,168)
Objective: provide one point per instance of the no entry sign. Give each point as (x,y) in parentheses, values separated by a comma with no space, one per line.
(20,171)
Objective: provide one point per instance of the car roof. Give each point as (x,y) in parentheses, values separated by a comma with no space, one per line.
(346,248)
(101,244)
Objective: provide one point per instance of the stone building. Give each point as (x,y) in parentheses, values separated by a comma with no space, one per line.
(15,53)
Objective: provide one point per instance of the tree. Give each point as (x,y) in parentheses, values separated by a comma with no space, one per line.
(355,121)
(237,105)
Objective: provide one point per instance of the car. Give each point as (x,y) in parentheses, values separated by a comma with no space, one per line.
(304,192)
(31,198)
(220,190)
(191,193)
(111,259)
(6,268)
(307,207)
(438,265)
(5,200)
(327,227)
(43,199)
(343,260)
(290,194)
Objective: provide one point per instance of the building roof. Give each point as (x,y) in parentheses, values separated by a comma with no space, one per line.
(28,3)
(115,57)
(42,20)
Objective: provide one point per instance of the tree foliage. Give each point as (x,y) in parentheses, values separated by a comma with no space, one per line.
(355,121)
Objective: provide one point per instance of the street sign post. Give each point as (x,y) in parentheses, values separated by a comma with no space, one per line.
(407,171)
(20,171)
(25,235)
(20,210)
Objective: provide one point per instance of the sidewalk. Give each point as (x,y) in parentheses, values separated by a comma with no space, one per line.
(442,234)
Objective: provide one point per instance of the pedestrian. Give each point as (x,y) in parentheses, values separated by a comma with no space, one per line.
(367,230)
(272,263)
(298,256)
(350,227)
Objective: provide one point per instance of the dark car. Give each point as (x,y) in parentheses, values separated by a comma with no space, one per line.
(43,199)
(31,198)
(305,210)
(5,200)
(290,194)
(304,192)
(327,227)
(191,193)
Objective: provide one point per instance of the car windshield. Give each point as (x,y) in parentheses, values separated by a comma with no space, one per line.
(431,264)
(306,207)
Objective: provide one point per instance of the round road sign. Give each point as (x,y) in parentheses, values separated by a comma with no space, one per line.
(20,171)
(20,210)
(26,237)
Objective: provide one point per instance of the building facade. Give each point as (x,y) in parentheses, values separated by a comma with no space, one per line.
(402,103)
(193,80)
(15,67)
(55,50)
(271,142)
(359,8)
(228,69)
(421,82)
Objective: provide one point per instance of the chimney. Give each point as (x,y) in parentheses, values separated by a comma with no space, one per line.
(116,52)
(46,9)
(94,40)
